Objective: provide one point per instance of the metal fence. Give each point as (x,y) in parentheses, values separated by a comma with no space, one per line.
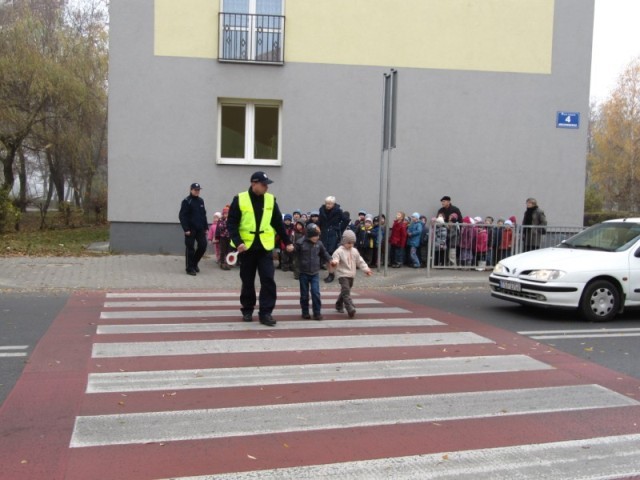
(459,246)
(251,38)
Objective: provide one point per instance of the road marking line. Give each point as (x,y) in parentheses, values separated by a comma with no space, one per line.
(586,335)
(313,373)
(204,294)
(232,313)
(600,457)
(263,345)
(243,326)
(6,353)
(140,428)
(592,330)
(209,303)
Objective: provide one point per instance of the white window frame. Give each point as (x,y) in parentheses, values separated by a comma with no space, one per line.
(249,159)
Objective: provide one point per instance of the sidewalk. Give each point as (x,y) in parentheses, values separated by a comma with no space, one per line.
(166,272)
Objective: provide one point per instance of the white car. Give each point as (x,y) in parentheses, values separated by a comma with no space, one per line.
(596,271)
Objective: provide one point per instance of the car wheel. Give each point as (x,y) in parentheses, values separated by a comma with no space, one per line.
(600,301)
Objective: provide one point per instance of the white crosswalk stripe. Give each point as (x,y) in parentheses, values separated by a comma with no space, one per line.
(331,372)
(203,347)
(128,314)
(236,326)
(261,420)
(604,457)
(269,358)
(209,303)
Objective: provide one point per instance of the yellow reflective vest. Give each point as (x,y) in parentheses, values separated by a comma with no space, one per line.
(247,227)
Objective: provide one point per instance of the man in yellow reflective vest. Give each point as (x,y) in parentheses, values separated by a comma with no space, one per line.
(254,220)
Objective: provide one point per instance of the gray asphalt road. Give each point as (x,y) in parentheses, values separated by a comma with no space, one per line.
(615,344)
(24,318)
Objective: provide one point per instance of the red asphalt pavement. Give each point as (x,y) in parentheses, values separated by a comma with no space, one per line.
(37,419)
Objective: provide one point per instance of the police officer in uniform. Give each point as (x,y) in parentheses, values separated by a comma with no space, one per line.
(254,220)
(193,219)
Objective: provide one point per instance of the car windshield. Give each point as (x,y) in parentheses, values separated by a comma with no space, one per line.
(608,236)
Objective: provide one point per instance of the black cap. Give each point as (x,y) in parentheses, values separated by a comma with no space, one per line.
(261,177)
(446,197)
(195,186)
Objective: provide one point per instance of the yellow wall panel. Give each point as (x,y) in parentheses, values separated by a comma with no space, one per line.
(491,35)
(186,28)
(484,35)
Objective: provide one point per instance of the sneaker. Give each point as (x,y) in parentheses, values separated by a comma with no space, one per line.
(306,316)
(191,271)
(268,321)
(352,313)
(246,317)
(339,309)
(317,316)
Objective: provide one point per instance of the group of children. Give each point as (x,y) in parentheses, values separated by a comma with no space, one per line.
(467,242)
(472,242)
(306,261)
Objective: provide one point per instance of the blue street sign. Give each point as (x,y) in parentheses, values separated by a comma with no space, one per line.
(568,120)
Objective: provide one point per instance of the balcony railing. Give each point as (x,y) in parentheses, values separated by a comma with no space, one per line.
(249,38)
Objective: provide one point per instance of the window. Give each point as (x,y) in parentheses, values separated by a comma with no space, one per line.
(251,31)
(249,132)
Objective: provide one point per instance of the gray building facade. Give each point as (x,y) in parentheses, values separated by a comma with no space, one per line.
(476,116)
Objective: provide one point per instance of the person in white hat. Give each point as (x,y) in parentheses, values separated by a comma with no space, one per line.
(346,259)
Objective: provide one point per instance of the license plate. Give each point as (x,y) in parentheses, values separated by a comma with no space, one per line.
(509,285)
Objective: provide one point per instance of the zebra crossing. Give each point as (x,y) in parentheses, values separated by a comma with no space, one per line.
(177,387)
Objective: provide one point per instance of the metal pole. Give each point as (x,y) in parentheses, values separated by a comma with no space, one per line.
(382,174)
(390,141)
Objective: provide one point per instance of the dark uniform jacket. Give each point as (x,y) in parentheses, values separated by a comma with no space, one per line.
(193,216)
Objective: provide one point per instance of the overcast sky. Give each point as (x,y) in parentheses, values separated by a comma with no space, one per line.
(616,42)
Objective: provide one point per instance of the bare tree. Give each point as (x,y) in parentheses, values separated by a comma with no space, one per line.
(614,158)
(53,95)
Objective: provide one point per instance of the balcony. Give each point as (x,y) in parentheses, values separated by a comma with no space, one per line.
(249,38)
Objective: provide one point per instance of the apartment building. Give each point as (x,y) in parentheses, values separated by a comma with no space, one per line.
(492,106)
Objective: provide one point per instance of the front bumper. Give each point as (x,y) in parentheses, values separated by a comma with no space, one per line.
(550,294)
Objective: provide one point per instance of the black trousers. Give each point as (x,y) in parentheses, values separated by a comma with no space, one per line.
(261,262)
(193,254)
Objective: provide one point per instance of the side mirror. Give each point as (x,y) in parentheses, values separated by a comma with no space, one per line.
(637,253)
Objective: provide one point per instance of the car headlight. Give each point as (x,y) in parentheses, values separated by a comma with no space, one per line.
(499,268)
(544,275)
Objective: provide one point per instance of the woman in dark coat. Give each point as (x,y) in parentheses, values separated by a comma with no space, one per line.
(533,224)
(330,221)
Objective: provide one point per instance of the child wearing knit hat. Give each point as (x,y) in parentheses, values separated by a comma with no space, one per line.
(211,235)
(224,239)
(345,260)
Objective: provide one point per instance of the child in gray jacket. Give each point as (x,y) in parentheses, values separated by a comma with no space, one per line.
(310,254)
